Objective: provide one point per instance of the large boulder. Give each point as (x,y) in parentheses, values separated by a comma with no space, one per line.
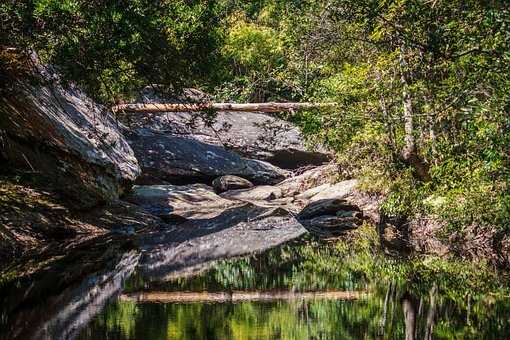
(251,134)
(61,133)
(182,160)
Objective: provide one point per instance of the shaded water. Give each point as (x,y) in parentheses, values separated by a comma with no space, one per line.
(301,290)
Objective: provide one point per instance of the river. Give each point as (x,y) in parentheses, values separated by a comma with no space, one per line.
(302,289)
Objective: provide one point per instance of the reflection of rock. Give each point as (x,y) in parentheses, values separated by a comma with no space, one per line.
(72,285)
(228,182)
(236,231)
(62,134)
(188,201)
(182,160)
(88,299)
(253,135)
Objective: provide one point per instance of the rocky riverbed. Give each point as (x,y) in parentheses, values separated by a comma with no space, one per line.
(72,170)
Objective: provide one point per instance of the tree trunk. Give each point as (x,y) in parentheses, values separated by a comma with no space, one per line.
(409,153)
(250,107)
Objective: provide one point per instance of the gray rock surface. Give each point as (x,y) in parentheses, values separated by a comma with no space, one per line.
(196,201)
(61,133)
(251,134)
(260,193)
(182,160)
(339,190)
(229,182)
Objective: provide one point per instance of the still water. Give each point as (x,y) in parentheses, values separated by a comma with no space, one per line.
(304,289)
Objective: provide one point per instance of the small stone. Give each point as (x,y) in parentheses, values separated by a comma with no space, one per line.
(260,193)
(230,182)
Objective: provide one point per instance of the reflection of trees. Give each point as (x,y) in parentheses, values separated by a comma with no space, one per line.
(410,308)
(396,309)
(431,315)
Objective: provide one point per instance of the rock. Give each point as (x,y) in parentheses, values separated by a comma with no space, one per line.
(338,190)
(181,160)
(308,180)
(61,133)
(263,173)
(330,217)
(178,203)
(253,135)
(313,191)
(337,207)
(38,218)
(327,225)
(229,182)
(260,193)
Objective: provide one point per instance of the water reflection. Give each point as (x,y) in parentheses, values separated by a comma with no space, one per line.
(59,299)
(277,295)
(301,290)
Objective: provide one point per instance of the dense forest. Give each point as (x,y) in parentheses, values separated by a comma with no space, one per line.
(386,181)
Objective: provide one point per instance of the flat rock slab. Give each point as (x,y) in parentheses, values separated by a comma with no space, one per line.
(196,201)
(235,232)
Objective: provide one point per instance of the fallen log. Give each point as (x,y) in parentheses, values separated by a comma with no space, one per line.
(250,107)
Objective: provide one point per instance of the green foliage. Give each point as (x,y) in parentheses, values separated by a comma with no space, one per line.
(456,75)
(113,49)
